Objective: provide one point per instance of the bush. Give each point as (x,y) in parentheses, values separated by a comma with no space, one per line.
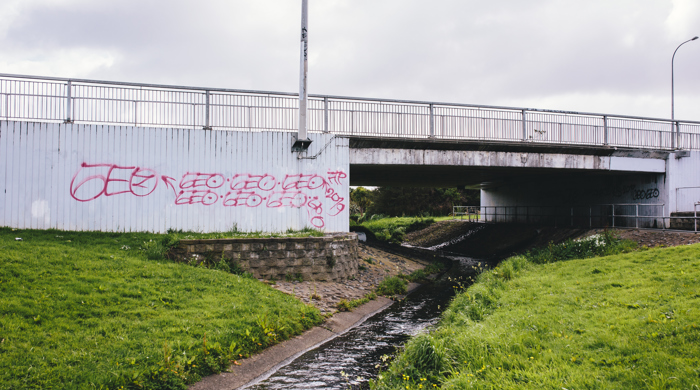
(597,245)
(393,285)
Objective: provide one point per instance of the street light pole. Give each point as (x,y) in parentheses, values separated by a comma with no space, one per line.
(673,114)
(302,142)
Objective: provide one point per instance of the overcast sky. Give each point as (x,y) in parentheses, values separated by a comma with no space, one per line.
(607,56)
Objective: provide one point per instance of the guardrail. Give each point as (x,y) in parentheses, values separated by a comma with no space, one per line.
(628,215)
(105,102)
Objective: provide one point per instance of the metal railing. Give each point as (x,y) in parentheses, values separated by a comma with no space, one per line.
(619,215)
(115,103)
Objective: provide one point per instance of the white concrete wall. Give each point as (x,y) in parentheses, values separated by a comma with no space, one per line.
(121,178)
(683,181)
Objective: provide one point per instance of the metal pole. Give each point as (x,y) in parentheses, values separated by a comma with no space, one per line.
(524,126)
(206,112)
(325,114)
(590,217)
(605,130)
(636,215)
(613,215)
(302,142)
(68,102)
(673,117)
(432,122)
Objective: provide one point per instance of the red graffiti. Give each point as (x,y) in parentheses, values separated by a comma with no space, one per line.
(253,182)
(110,180)
(241,198)
(205,197)
(301,182)
(286,199)
(312,191)
(209,180)
(335,177)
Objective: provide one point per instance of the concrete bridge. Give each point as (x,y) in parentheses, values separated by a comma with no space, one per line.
(211,147)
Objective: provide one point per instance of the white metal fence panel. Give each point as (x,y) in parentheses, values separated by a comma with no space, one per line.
(125,178)
(102,102)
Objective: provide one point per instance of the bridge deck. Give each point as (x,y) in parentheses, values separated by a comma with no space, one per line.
(34,98)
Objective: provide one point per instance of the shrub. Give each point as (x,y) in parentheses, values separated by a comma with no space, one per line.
(393,285)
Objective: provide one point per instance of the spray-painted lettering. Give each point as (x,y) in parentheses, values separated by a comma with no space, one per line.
(309,190)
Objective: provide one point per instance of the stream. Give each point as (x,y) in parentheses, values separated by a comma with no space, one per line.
(354,357)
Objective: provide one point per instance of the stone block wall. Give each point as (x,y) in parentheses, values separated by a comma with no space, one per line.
(328,258)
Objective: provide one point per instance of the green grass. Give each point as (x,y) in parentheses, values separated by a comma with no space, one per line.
(626,321)
(89,310)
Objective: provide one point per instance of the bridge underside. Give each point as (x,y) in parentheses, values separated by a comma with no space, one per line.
(462,176)
(483,165)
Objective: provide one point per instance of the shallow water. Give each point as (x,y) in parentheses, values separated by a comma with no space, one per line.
(353,358)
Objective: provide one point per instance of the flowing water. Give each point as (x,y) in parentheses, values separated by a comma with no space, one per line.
(351,359)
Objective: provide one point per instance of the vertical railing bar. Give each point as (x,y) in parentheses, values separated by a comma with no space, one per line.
(524,126)
(207,125)
(325,115)
(432,122)
(68,102)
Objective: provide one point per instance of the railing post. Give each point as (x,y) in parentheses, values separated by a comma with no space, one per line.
(678,135)
(206,111)
(674,135)
(432,122)
(69,100)
(636,216)
(572,217)
(663,217)
(325,115)
(590,217)
(524,126)
(613,214)
(606,139)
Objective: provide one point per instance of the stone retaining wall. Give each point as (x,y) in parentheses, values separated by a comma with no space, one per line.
(329,258)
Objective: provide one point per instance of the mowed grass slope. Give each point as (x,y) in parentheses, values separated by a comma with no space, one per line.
(89,310)
(627,321)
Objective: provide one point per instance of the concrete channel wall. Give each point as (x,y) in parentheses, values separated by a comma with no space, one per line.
(329,258)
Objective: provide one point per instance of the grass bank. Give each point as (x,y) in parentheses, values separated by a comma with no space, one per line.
(625,321)
(92,311)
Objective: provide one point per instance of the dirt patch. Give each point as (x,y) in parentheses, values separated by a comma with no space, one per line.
(375,265)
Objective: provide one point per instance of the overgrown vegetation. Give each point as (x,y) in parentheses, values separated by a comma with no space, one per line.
(402,201)
(596,245)
(393,229)
(392,285)
(345,305)
(104,310)
(627,321)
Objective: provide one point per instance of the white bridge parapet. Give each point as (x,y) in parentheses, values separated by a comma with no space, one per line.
(53,99)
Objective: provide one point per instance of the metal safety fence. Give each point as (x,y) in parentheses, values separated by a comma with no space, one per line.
(619,215)
(116,103)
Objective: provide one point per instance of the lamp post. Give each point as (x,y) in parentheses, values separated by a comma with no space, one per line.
(673,117)
(302,141)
